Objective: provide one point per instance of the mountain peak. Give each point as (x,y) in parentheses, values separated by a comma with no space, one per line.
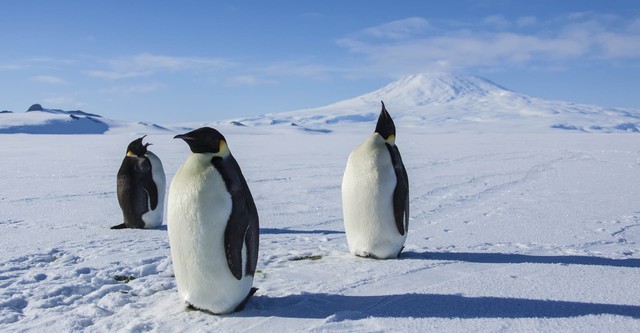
(429,88)
(35,107)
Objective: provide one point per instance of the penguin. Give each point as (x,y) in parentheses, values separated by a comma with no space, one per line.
(375,195)
(141,187)
(213,227)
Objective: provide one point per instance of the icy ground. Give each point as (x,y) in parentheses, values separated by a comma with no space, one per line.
(509,232)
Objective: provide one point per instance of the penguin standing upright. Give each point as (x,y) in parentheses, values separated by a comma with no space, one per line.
(375,195)
(141,187)
(213,226)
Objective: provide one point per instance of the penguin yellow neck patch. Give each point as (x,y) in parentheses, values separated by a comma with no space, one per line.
(223,149)
(391,139)
(130,153)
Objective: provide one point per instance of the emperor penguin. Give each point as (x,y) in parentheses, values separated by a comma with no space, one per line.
(141,187)
(375,195)
(213,226)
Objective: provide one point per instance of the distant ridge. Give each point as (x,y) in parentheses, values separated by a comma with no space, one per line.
(40,120)
(38,107)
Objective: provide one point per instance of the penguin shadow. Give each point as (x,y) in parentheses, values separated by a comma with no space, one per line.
(347,307)
(509,258)
(276,231)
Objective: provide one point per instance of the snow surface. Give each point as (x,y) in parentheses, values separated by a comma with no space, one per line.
(508,232)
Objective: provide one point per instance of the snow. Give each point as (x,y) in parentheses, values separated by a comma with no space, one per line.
(525,216)
(55,121)
(509,231)
(448,103)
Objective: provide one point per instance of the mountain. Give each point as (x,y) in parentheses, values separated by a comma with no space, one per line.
(436,102)
(39,120)
(453,102)
(38,107)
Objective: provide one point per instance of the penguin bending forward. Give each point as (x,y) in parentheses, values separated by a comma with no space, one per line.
(375,195)
(213,226)
(141,187)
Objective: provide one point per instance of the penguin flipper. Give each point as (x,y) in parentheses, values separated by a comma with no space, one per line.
(242,230)
(401,192)
(233,239)
(150,186)
(242,227)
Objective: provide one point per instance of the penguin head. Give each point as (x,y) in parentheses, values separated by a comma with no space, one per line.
(385,126)
(205,140)
(136,148)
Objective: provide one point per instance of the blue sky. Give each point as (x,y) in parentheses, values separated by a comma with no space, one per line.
(184,61)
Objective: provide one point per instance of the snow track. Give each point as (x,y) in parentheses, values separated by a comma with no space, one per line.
(508,232)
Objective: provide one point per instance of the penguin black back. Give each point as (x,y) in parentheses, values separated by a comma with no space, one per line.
(387,129)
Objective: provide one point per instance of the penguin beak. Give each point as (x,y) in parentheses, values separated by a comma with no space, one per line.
(183,137)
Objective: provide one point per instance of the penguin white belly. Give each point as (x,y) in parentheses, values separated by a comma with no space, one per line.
(367,200)
(198,210)
(153,217)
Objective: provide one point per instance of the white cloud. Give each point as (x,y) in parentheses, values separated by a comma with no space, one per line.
(526,21)
(147,64)
(134,89)
(496,21)
(618,45)
(299,69)
(63,102)
(48,79)
(249,80)
(581,38)
(399,29)
(12,67)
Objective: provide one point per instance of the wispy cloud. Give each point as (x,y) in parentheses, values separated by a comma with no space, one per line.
(398,29)
(48,79)
(147,64)
(12,67)
(63,101)
(495,42)
(249,80)
(41,63)
(300,69)
(526,21)
(134,89)
(497,21)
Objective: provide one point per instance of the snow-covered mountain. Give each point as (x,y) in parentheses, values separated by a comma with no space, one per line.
(39,120)
(437,102)
(452,102)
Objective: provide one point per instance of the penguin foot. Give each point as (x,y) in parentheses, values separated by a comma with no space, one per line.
(246,299)
(240,307)
(119,226)
(366,255)
(369,255)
